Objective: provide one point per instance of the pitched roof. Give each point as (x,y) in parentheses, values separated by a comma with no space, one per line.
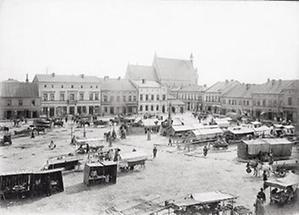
(138,72)
(168,68)
(66,78)
(274,86)
(222,86)
(117,85)
(15,89)
(241,91)
(192,88)
(146,83)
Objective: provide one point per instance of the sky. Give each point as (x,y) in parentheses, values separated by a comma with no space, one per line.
(245,41)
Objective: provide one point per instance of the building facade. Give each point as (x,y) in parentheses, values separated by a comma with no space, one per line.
(290,107)
(212,96)
(191,96)
(152,97)
(238,99)
(19,100)
(118,96)
(63,95)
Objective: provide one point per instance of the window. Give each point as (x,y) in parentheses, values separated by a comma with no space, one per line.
(90,96)
(72,86)
(45,86)
(45,96)
(105,109)
(52,96)
(290,101)
(111,98)
(152,97)
(229,102)
(118,98)
(61,86)
(146,107)
(130,98)
(274,103)
(72,97)
(97,86)
(20,102)
(33,102)
(164,97)
(157,108)
(52,86)
(81,96)
(264,102)
(90,86)
(134,98)
(158,97)
(152,107)
(96,96)
(141,97)
(247,103)
(146,97)
(9,102)
(141,107)
(81,86)
(105,98)
(258,103)
(61,96)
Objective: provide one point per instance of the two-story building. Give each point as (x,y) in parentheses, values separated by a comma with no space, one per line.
(191,95)
(290,106)
(19,99)
(213,94)
(152,97)
(68,94)
(118,96)
(268,100)
(238,99)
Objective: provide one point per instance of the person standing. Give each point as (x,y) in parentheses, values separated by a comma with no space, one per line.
(155,150)
(258,206)
(262,195)
(205,150)
(149,134)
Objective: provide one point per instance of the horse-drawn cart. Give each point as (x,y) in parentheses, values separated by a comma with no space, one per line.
(280,168)
(128,161)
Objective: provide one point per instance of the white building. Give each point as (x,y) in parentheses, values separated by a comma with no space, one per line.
(68,94)
(152,97)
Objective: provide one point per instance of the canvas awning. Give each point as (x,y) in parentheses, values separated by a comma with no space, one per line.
(289,180)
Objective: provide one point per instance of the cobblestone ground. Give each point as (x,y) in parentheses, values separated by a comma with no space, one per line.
(173,174)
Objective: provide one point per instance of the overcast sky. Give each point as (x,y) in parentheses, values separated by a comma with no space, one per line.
(247,41)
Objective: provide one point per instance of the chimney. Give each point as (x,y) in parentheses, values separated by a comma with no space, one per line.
(247,86)
(106,78)
(273,82)
(204,85)
(118,78)
(143,81)
(53,74)
(82,75)
(27,78)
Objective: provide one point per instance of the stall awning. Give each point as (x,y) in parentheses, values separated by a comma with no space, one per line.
(290,180)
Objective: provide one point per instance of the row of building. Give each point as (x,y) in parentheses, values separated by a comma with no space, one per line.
(147,89)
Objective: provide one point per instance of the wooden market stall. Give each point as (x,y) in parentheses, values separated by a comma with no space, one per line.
(283,190)
(100,173)
(281,148)
(236,134)
(21,185)
(206,135)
